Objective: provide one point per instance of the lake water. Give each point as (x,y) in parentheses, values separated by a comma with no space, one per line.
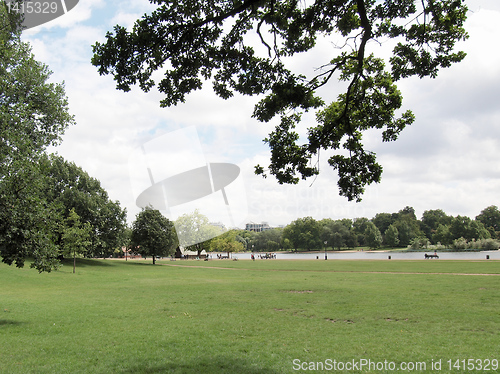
(494,255)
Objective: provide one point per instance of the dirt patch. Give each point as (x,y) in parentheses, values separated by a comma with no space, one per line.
(294,291)
(348,321)
(396,319)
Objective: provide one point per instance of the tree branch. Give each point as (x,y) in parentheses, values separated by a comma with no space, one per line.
(247,4)
(367,34)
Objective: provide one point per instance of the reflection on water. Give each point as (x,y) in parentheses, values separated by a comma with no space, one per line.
(493,255)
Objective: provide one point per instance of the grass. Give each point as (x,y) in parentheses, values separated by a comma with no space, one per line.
(245,316)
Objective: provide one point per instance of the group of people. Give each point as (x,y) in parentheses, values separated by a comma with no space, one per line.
(265,256)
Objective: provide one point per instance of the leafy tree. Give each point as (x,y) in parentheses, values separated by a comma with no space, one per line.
(383,221)
(70,187)
(373,236)
(326,234)
(359,225)
(337,233)
(33,115)
(247,238)
(337,241)
(442,235)
(75,236)
(391,236)
(268,240)
(490,218)
(408,226)
(466,228)
(408,212)
(431,219)
(29,225)
(195,231)
(287,244)
(405,232)
(153,234)
(226,243)
(304,233)
(351,240)
(193,41)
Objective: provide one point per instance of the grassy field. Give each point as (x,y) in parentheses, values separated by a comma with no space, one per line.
(267,316)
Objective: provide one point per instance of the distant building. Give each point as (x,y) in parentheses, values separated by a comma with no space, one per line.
(220,225)
(257,227)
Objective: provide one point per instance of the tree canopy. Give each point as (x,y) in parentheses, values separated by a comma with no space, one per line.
(194,231)
(153,234)
(191,42)
(303,233)
(435,230)
(68,187)
(33,115)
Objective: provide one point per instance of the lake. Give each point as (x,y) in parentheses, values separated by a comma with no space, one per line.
(494,255)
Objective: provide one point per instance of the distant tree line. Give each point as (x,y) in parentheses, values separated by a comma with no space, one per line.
(435,230)
(154,235)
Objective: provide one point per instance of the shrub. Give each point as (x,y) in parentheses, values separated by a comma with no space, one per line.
(460,244)
(419,243)
(489,244)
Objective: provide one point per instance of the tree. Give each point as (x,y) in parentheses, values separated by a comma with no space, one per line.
(29,225)
(431,219)
(407,212)
(490,217)
(153,234)
(359,226)
(194,231)
(383,221)
(226,242)
(193,41)
(466,228)
(267,240)
(303,233)
(75,236)
(33,115)
(405,232)
(408,226)
(373,236)
(70,187)
(247,238)
(391,236)
(337,233)
(442,235)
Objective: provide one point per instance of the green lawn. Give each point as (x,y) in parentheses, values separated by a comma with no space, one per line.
(114,316)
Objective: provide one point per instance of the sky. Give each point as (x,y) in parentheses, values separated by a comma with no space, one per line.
(448,159)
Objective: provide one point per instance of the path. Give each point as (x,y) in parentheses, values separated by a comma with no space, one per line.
(333,271)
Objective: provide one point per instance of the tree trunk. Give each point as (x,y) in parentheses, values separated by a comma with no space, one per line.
(154,259)
(74,261)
